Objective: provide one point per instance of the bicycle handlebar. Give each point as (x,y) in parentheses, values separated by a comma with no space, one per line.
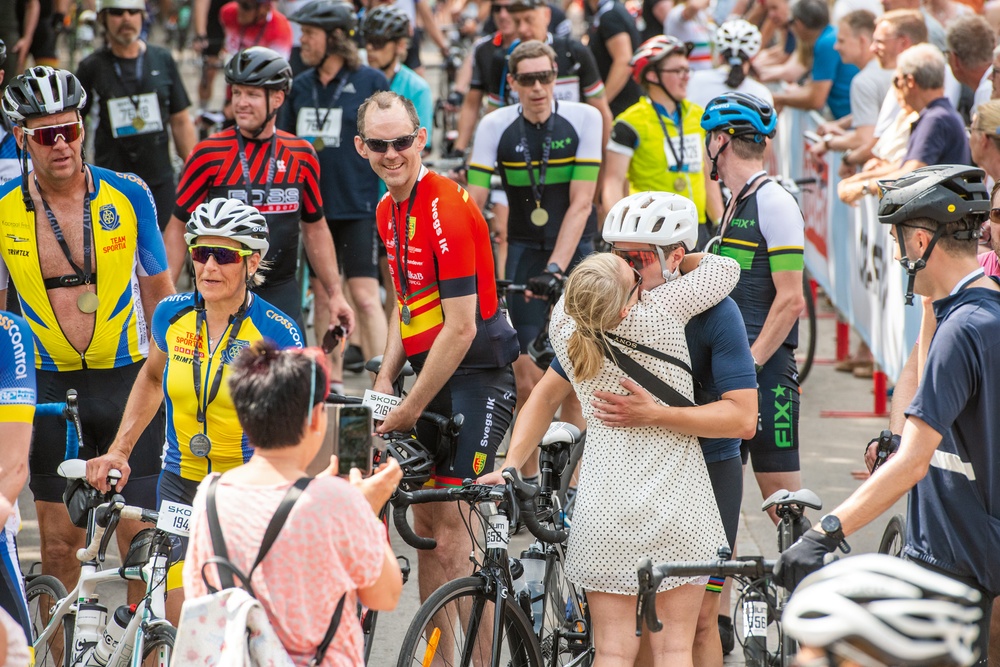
(104,515)
(526,494)
(401,500)
(449,426)
(651,576)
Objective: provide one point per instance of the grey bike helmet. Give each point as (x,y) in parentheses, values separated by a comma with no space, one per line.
(261,67)
(231,219)
(886,609)
(327,15)
(387,23)
(42,91)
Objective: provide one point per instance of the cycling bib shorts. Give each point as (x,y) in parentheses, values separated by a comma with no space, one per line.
(775,448)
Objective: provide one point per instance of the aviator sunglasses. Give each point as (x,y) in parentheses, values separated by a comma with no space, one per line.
(222,255)
(528,79)
(49,135)
(398,144)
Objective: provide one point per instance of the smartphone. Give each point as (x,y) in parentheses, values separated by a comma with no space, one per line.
(351,430)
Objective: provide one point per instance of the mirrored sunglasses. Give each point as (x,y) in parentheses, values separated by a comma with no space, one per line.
(637,259)
(49,135)
(399,144)
(222,255)
(528,79)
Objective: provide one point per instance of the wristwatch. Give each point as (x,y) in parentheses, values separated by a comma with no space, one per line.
(553,268)
(831,526)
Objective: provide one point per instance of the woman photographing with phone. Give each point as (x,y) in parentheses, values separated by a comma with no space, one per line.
(197,337)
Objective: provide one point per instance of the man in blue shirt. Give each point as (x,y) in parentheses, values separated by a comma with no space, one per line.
(947,457)
(831,77)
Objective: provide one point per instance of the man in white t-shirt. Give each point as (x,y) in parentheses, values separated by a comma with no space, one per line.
(970,55)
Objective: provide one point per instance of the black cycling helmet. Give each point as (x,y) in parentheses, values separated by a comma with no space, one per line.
(386,23)
(540,350)
(42,91)
(261,67)
(938,195)
(328,15)
(417,463)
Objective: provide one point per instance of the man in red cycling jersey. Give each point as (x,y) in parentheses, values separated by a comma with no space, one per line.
(449,324)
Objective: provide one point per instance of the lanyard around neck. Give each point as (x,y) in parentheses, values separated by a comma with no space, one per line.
(245,166)
(235,322)
(85,273)
(538,187)
(402,242)
(341,81)
(678,159)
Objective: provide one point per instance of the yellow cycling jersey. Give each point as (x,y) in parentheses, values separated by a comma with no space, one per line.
(17,372)
(127,244)
(175,333)
(638,134)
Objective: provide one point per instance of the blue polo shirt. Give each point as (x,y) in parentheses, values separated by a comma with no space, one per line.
(937,136)
(827,66)
(314,111)
(953,513)
(720,360)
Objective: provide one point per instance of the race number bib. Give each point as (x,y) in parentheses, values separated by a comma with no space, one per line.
(135,115)
(691,155)
(307,125)
(174,518)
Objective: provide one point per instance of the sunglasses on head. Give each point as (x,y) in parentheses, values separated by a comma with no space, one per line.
(398,144)
(528,79)
(637,259)
(222,255)
(49,135)
(118,12)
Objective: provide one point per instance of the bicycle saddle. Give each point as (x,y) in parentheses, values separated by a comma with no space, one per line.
(73,469)
(560,432)
(784,498)
(375,363)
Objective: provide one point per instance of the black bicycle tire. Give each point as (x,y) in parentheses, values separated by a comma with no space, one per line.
(159,634)
(514,621)
(554,599)
(45,584)
(810,351)
(895,529)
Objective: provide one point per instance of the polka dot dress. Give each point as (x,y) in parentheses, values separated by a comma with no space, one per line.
(644,492)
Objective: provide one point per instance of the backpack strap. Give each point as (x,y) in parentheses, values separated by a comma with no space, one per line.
(218,542)
(331,632)
(278,520)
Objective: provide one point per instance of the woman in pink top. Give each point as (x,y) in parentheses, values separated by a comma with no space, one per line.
(332,542)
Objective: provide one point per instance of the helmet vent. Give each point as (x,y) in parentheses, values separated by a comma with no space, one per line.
(658,225)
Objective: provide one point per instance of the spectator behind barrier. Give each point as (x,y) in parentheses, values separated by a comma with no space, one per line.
(984,143)
(831,77)
(970,55)
(868,91)
(937,136)
(995,88)
(779,62)
(935,31)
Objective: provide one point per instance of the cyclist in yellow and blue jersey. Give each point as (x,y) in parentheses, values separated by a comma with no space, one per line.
(81,246)
(657,144)
(197,336)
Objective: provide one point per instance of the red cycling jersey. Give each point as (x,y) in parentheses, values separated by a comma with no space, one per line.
(275,32)
(447,252)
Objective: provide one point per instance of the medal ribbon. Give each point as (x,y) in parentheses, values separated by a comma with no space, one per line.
(538,188)
(133,98)
(678,159)
(403,262)
(235,322)
(341,80)
(84,274)
(245,166)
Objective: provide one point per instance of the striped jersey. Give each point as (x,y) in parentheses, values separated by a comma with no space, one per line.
(17,370)
(214,169)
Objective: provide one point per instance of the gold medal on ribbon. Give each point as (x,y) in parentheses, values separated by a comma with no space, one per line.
(318,144)
(539,217)
(87,302)
(680,184)
(138,123)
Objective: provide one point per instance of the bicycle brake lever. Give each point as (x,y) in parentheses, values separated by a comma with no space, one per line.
(106,538)
(645,607)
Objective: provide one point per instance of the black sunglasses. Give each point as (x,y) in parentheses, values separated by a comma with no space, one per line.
(332,338)
(638,282)
(399,144)
(498,7)
(528,79)
(119,12)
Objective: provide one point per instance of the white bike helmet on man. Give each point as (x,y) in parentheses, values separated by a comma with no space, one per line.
(658,219)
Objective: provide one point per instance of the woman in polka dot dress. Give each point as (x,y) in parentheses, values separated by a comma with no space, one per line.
(643,492)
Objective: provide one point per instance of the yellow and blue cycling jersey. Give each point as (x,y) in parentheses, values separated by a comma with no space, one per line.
(127,245)
(17,370)
(175,333)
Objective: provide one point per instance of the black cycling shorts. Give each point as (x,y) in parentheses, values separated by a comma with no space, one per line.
(357,245)
(174,488)
(523,263)
(775,448)
(727,484)
(213,29)
(102,397)
(413,53)
(486,399)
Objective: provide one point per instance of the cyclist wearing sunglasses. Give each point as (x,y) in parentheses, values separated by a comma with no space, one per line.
(277,173)
(449,324)
(198,336)
(141,96)
(81,246)
(657,144)
(322,108)
(548,156)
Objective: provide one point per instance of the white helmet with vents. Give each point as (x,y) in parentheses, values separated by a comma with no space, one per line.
(656,218)
(741,39)
(230,218)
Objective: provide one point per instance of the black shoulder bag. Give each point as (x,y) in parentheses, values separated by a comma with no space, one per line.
(647,379)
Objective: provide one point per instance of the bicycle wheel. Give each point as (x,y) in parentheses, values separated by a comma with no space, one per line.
(893,537)
(455,627)
(158,646)
(43,593)
(807,332)
(565,636)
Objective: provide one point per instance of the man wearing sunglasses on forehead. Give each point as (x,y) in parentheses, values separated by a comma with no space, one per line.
(548,154)
(81,246)
(140,96)
(449,324)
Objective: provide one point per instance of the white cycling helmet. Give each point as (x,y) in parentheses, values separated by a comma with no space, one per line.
(740,38)
(138,5)
(232,219)
(656,218)
(42,91)
(888,609)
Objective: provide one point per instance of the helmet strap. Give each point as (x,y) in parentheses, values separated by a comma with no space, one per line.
(910,266)
(271,113)
(29,204)
(715,158)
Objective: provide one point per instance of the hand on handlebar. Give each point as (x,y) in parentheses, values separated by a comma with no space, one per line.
(495,477)
(544,285)
(400,419)
(379,487)
(98,467)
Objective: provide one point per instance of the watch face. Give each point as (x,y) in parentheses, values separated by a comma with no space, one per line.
(830,524)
